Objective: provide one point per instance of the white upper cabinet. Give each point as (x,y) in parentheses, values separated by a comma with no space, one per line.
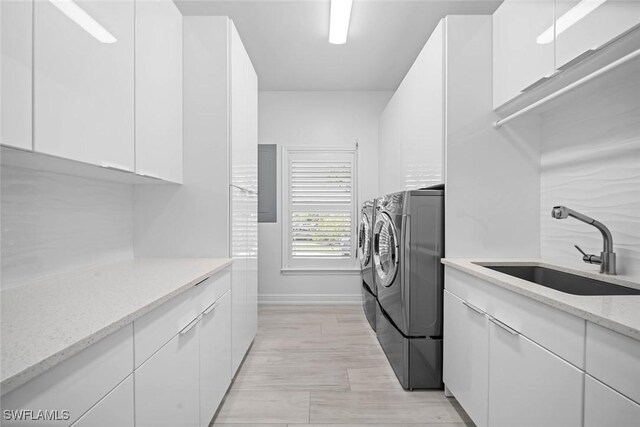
(252,128)
(158,90)
(244,89)
(84,81)
(411,125)
(15,73)
(520,56)
(583,25)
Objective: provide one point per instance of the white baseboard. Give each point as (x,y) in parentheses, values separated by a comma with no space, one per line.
(292,299)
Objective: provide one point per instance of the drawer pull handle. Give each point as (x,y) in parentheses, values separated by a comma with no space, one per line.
(503,326)
(190,326)
(535,84)
(211,307)
(215,304)
(115,167)
(473,308)
(149,175)
(584,55)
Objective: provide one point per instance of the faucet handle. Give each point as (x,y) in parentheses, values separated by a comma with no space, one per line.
(589,259)
(581,251)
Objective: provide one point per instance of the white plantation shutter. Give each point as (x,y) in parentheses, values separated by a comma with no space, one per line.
(321,209)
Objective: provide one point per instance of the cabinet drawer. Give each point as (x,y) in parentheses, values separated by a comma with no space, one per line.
(555,330)
(604,406)
(466,356)
(613,358)
(115,409)
(156,328)
(528,385)
(77,383)
(167,385)
(215,357)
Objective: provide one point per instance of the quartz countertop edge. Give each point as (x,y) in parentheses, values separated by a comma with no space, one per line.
(136,287)
(620,313)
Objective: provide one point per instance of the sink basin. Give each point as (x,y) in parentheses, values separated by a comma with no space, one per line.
(563,282)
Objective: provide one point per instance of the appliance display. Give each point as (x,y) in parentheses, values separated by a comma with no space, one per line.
(365,246)
(408,244)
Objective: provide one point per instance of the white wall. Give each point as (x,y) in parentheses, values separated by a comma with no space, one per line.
(52,223)
(316,119)
(591,163)
(491,176)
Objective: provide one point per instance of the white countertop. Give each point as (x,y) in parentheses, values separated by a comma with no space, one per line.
(50,320)
(620,313)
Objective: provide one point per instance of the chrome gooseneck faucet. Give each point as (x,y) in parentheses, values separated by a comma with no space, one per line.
(607,258)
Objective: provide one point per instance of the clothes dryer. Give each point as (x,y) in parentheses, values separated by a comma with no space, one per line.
(408,245)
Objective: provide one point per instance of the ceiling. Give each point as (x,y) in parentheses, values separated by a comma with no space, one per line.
(287,40)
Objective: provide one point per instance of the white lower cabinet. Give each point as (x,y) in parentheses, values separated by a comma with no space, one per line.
(115,409)
(215,357)
(466,349)
(603,406)
(181,382)
(528,385)
(76,384)
(505,371)
(167,385)
(613,358)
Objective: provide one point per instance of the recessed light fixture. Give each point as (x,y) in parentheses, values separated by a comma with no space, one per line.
(569,18)
(84,20)
(339,23)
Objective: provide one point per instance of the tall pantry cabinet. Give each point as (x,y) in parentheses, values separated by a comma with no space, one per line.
(244,197)
(214,212)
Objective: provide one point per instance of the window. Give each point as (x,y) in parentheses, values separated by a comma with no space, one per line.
(319,201)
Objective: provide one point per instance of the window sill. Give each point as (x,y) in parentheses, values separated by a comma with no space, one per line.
(318,271)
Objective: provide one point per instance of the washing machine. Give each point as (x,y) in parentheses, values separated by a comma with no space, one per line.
(408,244)
(365,235)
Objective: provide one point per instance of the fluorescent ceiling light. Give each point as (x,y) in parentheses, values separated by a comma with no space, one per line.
(570,17)
(82,18)
(339,24)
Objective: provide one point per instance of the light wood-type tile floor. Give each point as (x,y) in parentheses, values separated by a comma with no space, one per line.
(322,366)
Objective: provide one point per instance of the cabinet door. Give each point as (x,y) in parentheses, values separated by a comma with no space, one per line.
(252,127)
(521,55)
(586,25)
(252,267)
(15,73)
(84,81)
(528,385)
(238,275)
(115,409)
(389,162)
(239,110)
(422,94)
(159,90)
(466,356)
(215,357)
(167,387)
(604,406)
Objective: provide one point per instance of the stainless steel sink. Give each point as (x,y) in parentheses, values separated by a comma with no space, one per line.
(563,282)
